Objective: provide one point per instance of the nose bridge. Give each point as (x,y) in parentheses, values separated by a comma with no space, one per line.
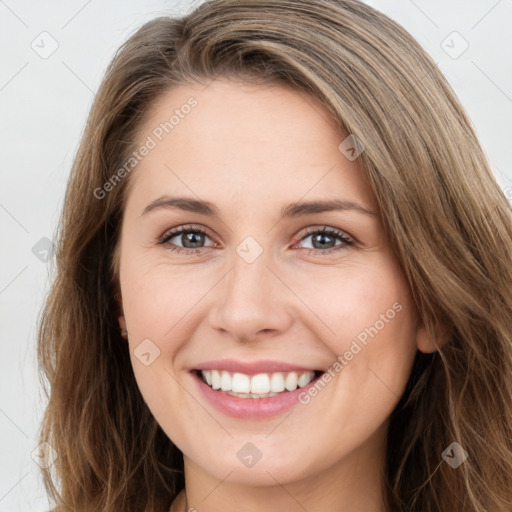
(252,299)
(249,278)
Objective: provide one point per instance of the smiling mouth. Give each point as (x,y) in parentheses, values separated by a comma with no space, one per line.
(261,385)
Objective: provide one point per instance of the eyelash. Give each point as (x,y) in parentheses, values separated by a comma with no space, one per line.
(346,242)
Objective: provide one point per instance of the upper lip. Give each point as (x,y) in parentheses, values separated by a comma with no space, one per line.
(252,367)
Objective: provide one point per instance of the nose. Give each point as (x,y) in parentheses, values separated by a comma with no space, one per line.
(252,301)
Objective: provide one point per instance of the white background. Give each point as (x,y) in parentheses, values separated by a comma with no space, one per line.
(44,103)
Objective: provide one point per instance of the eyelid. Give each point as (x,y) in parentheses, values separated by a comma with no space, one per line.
(324,228)
(302,234)
(347,241)
(177,230)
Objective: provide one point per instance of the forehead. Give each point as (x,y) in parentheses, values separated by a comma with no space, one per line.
(251,143)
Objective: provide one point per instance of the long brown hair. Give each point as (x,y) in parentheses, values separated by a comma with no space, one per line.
(444,214)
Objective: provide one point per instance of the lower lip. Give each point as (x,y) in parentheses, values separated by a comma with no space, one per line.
(251,408)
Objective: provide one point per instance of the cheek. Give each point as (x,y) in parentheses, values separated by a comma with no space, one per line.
(371,327)
(373,319)
(161,305)
(157,296)
(359,303)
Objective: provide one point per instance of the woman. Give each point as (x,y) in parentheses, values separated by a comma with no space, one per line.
(284,277)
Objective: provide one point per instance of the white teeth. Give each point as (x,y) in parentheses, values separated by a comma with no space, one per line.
(241,383)
(303,380)
(290,383)
(215,379)
(277,383)
(257,386)
(260,384)
(225,381)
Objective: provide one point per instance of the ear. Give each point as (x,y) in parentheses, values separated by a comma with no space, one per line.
(119,300)
(427,343)
(122,322)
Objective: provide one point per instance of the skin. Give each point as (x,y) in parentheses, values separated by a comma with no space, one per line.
(251,150)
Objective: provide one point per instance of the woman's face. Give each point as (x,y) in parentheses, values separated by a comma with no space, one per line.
(265,297)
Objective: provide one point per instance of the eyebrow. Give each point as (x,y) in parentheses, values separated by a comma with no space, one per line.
(292,210)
